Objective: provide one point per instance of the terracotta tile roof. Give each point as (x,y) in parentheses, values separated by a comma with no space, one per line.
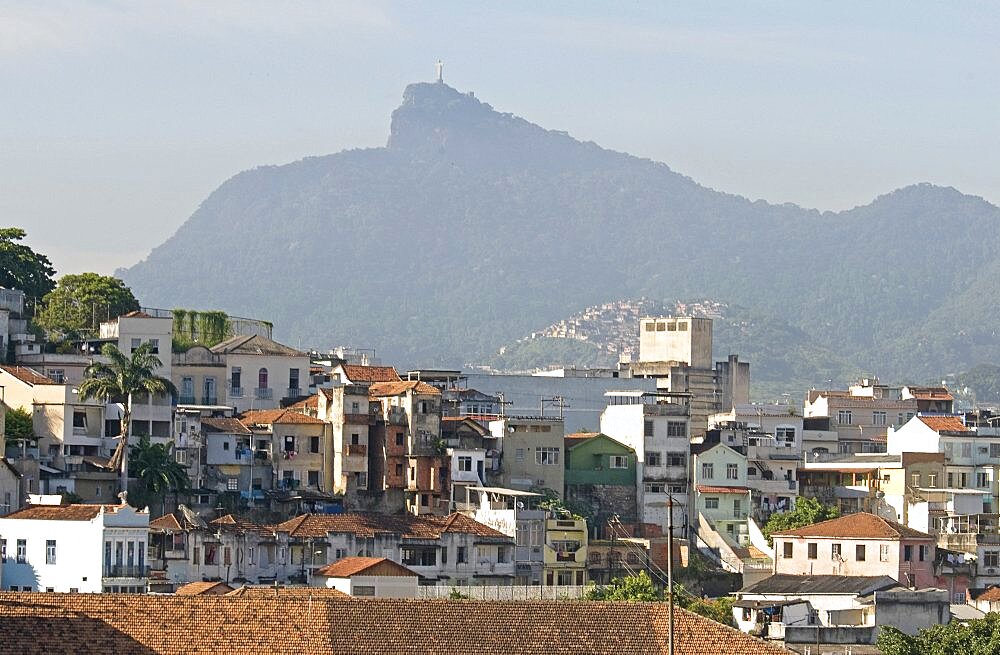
(295,592)
(230,522)
(856,526)
(279,417)
(351,566)
(199,588)
(398,388)
(713,489)
(992,595)
(944,423)
(312,402)
(931,393)
(62,512)
(254,345)
(317,623)
(28,375)
(369,525)
(371,374)
(165,522)
(224,425)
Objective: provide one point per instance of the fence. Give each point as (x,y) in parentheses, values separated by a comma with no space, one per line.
(508,592)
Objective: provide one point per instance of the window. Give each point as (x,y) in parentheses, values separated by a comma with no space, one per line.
(22,551)
(835,552)
(80,420)
(293,378)
(812,550)
(619,462)
(878,418)
(361,480)
(313,478)
(232,484)
(676,459)
(711,503)
(923,553)
(547,456)
(732,471)
(751,471)
(225,445)
(3,550)
(787,550)
(314,444)
(463,556)
(235,377)
(519,455)
(136,343)
(966,449)
(262,378)
(654,458)
(991,558)
(155,346)
(355,407)
(915,480)
(844,417)
(654,487)
(50,551)
(859,553)
(399,470)
(399,438)
(364,590)
(676,429)
(737,508)
(465,463)
(907,553)
(785,436)
(983,480)
(355,439)
(995,450)
(647,428)
(289,443)
(932,480)
(707,471)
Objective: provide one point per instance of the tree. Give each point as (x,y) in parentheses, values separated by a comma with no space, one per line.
(977,637)
(21,267)
(631,587)
(117,380)
(156,472)
(807,511)
(18,426)
(80,302)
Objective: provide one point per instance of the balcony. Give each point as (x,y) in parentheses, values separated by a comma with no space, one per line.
(209,400)
(236,392)
(358,450)
(289,484)
(295,392)
(185,400)
(126,571)
(263,393)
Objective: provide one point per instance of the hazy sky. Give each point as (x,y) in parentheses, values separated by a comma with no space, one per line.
(119,118)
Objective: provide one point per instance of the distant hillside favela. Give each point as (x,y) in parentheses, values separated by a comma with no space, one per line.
(473,228)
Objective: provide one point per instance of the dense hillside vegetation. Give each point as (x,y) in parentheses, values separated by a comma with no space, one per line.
(472,228)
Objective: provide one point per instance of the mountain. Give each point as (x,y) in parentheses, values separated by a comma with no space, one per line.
(473,228)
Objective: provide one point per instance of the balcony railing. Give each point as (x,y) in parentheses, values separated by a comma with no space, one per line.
(357,449)
(185,400)
(126,571)
(209,400)
(295,392)
(289,483)
(236,392)
(261,393)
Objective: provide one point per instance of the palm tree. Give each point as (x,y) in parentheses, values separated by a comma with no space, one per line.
(157,471)
(117,380)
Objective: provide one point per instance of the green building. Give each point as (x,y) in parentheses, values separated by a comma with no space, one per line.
(601,474)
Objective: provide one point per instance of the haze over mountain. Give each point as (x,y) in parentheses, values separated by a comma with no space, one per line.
(472,228)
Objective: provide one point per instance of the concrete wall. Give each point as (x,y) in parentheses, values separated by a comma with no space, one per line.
(893,564)
(681,339)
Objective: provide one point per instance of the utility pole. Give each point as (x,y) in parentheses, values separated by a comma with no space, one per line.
(670,574)
(554,400)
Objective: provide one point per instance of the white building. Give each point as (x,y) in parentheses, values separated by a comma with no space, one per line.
(262,372)
(75,548)
(369,577)
(657,426)
(10,487)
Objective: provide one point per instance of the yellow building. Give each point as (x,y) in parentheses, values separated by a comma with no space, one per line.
(565,552)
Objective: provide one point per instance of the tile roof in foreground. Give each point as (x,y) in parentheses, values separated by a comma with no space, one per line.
(369,566)
(219,625)
(28,375)
(944,423)
(381,389)
(62,512)
(371,374)
(855,526)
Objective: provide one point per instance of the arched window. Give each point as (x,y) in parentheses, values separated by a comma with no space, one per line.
(262,378)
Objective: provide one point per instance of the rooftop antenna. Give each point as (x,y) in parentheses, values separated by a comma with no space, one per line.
(440,72)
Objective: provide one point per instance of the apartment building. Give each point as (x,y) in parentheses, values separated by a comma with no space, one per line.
(656,426)
(75,548)
(262,372)
(531,452)
(862,414)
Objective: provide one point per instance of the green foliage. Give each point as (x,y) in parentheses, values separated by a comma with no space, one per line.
(156,472)
(806,512)
(553,503)
(984,380)
(978,637)
(193,327)
(632,587)
(71,498)
(23,268)
(719,610)
(18,425)
(455,594)
(79,303)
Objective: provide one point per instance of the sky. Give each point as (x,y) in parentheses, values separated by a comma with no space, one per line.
(117,119)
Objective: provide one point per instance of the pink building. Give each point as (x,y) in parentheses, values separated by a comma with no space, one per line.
(859,544)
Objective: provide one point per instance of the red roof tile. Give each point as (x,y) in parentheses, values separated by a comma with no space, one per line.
(712,489)
(165,522)
(314,621)
(278,417)
(351,566)
(201,588)
(28,375)
(856,526)
(369,525)
(62,512)
(944,423)
(398,388)
(992,595)
(224,425)
(371,374)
